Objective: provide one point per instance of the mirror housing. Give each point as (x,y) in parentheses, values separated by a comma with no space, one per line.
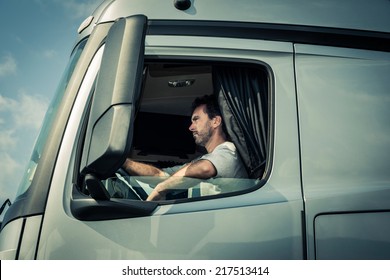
(109,132)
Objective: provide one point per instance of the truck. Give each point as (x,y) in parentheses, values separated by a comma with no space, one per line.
(304,91)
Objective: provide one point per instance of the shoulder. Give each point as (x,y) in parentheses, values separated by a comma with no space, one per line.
(223,151)
(225,146)
(226,161)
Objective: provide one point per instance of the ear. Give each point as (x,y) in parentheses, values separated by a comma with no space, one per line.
(217,121)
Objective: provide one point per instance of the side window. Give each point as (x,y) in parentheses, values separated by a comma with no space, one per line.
(184,150)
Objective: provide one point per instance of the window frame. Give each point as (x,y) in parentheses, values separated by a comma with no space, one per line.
(125,208)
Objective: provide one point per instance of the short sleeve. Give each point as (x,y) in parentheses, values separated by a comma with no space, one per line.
(226,161)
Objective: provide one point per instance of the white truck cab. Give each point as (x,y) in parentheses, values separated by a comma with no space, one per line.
(304,90)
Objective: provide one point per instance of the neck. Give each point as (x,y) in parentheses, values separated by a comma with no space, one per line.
(214,142)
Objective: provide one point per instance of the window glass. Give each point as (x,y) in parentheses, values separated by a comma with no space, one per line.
(176,138)
(48,120)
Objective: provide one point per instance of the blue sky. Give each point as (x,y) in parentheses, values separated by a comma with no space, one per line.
(36,40)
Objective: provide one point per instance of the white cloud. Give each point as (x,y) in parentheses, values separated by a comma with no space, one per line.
(27,111)
(7,65)
(31,111)
(7,140)
(49,53)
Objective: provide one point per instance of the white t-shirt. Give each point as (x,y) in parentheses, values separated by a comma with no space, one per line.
(226,161)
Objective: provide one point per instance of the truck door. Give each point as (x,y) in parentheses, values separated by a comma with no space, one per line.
(229,218)
(343,98)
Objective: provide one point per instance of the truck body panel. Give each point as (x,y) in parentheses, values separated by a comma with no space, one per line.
(307,89)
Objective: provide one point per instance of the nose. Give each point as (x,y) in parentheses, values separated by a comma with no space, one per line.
(191,128)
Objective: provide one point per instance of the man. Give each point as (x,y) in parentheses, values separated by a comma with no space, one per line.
(221,160)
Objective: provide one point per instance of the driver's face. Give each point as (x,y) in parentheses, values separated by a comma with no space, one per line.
(200,126)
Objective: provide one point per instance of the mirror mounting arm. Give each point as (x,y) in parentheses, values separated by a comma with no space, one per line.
(96,188)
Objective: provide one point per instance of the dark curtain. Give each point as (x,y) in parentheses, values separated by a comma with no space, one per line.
(242,96)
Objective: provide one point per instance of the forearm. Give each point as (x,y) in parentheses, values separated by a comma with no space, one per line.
(141,169)
(194,173)
(171,184)
(202,169)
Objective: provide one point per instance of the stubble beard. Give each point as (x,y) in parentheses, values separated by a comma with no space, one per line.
(202,138)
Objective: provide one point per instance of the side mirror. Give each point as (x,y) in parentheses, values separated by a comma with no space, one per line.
(109,132)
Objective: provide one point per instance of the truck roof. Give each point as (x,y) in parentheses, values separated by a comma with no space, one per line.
(347,14)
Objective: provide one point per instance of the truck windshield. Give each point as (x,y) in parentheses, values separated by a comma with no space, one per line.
(48,120)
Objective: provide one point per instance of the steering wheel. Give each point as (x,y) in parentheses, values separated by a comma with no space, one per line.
(130,187)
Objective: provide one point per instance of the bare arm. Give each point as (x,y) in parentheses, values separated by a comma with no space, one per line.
(141,169)
(202,169)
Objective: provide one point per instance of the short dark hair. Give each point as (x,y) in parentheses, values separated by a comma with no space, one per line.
(212,108)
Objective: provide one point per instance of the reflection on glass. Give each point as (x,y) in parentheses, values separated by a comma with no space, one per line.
(140,187)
